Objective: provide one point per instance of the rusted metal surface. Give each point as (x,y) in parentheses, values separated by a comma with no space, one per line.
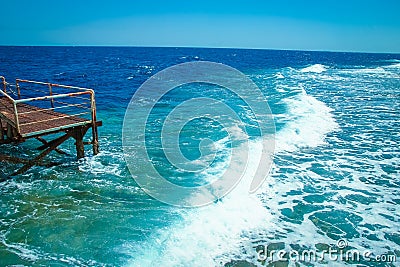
(39,108)
(3,80)
(94,126)
(38,159)
(17,160)
(47,144)
(34,121)
(30,119)
(1,131)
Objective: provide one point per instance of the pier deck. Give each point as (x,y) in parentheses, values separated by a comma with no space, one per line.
(35,109)
(36,121)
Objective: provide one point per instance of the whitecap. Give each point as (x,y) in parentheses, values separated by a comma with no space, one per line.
(308,122)
(316,68)
(96,165)
(394,66)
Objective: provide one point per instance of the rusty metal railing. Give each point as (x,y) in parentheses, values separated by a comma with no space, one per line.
(36,99)
(4,84)
(11,101)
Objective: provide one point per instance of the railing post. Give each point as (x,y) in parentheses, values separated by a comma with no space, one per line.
(1,131)
(9,131)
(4,84)
(51,93)
(80,148)
(16,118)
(95,137)
(18,89)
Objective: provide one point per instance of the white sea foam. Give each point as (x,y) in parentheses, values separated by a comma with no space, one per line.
(394,66)
(316,68)
(24,251)
(97,165)
(390,71)
(279,76)
(308,122)
(209,235)
(212,235)
(377,70)
(280,89)
(391,60)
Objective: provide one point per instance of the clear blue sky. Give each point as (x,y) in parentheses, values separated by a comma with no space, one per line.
(339,25)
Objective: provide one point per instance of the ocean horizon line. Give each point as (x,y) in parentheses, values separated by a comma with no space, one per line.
(208,47)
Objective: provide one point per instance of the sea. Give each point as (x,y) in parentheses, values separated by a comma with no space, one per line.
(333,186)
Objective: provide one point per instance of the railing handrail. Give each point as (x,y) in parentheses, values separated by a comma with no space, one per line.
(54,85)
(51,97)
(4,93)
(7,96)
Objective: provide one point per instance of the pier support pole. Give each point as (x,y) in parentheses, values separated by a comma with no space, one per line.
(80,148)
(95,140)
(9,131)
(1,131)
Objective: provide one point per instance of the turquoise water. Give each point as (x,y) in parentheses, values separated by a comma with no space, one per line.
(335,172)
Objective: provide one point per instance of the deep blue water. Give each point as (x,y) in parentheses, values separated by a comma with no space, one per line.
(335,172)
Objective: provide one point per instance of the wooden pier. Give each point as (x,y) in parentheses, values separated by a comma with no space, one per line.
(31,109)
